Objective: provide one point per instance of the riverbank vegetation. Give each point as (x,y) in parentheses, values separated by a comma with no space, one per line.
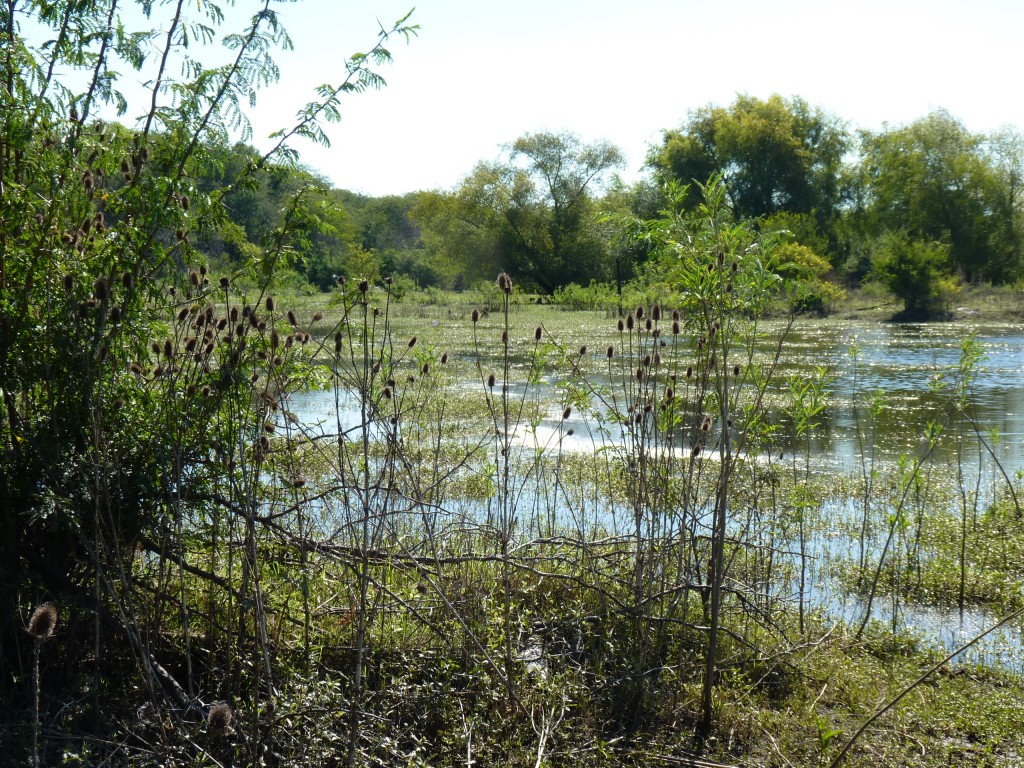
(286,483)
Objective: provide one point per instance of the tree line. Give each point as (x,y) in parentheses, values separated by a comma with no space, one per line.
(920,207)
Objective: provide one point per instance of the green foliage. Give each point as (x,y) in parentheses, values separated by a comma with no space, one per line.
(937,182)
(916,272)
(807,270)
(531,214)
(774,155)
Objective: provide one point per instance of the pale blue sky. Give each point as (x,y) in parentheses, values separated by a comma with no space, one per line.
(482,73)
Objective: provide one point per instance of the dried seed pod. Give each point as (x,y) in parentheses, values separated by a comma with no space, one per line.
(43,622)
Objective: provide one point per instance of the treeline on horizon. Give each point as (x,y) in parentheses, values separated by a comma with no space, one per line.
(921,207)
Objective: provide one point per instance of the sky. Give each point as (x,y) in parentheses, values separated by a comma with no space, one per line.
(480,73)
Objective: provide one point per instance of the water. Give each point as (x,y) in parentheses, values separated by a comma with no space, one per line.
(902,363)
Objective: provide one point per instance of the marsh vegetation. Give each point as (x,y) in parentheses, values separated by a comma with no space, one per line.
(269,504)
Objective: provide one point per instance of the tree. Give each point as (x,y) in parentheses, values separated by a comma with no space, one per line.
(915,271)
(531,214)
(774,155)
(933,180)
(134,384)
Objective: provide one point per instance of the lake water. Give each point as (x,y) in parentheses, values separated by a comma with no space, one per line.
(901,361)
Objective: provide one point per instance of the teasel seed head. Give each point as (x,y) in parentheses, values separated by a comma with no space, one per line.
(136,369)
(622,326)
(69,283)
(567,413)
(610,352)
(475,315)
(168,349)
(182,314)
(689,371)
(504,337)
(337,342)
(735,266)
(43,622)
(537,333)
(504,283)
(220,718)
(318,316)
(412,342)
(490,381)
(675,327)
(364,286)
(648,325)
(640,313)
(444,358)
(583,350)
(735,370)
(629,322)
(99,289)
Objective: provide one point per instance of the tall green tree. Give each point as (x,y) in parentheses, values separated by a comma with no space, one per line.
(935,181)
(774,155)
(532,213)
